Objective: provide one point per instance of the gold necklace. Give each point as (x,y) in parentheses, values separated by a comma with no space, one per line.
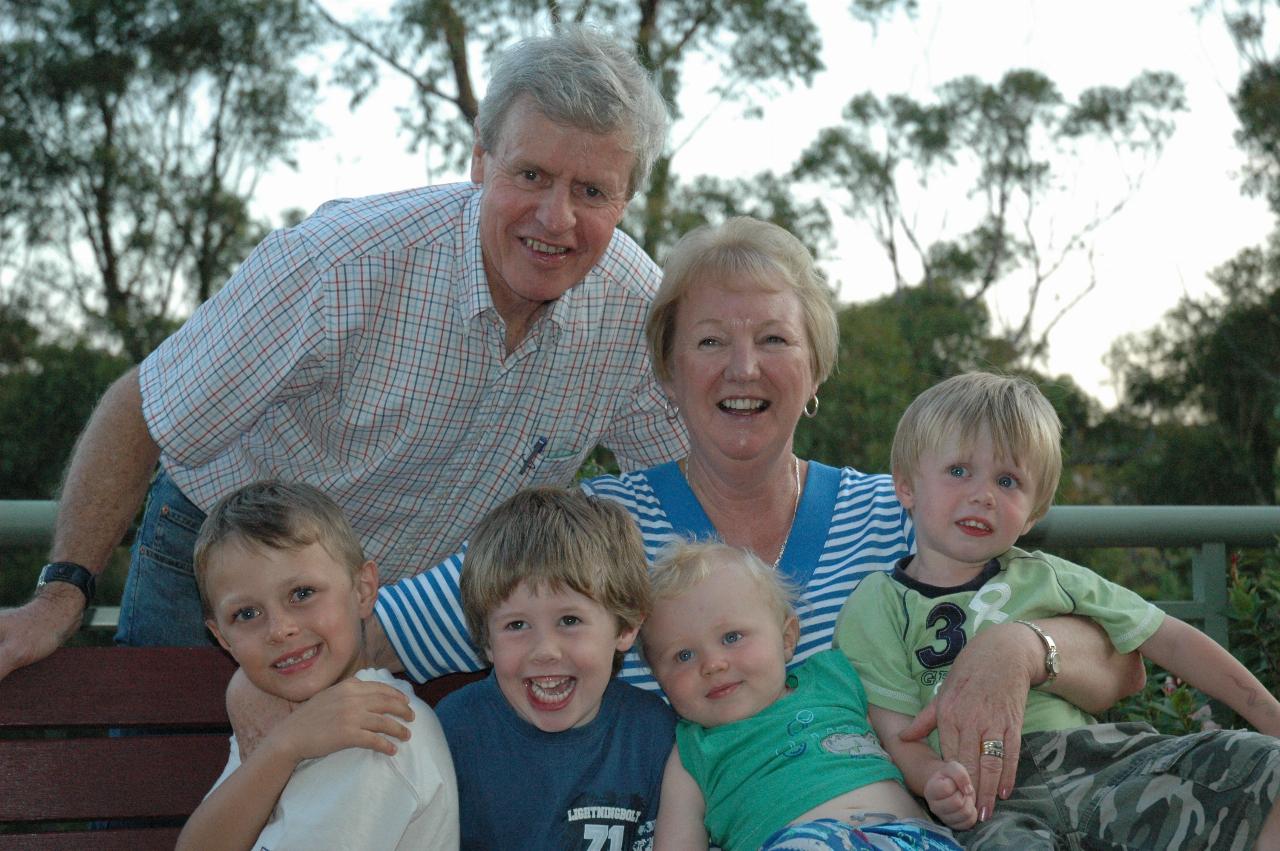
(683,466)
(795,509)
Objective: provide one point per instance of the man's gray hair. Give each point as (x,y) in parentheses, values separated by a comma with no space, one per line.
(584,79)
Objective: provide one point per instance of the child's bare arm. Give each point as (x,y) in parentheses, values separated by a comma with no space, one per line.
(945,785)
(680,811)
(349,714)
(1188,653)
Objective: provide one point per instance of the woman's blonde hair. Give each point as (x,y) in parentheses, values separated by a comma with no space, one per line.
(743,252)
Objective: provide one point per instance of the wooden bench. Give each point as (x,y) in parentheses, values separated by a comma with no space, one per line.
(66,783)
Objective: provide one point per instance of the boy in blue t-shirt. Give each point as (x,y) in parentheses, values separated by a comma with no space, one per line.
(550,750)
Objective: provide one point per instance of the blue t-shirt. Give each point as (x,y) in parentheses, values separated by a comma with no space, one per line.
(594,786)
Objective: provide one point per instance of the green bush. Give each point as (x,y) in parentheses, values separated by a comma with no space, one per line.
(1171,706)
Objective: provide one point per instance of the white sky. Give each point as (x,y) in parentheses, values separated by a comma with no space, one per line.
(1187,217)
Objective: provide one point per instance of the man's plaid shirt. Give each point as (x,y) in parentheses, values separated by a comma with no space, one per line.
(360,351)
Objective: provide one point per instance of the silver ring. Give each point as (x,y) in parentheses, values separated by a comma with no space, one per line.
(993,747)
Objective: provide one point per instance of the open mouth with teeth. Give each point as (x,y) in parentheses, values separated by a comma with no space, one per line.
(742,406)
(296,661)
(974,527)
(547,694)
(543,247)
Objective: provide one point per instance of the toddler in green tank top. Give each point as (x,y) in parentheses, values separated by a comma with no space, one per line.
(766,757)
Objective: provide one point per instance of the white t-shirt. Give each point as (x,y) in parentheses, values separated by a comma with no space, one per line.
(361,799)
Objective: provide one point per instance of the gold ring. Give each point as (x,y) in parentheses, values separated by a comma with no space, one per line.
(993,747)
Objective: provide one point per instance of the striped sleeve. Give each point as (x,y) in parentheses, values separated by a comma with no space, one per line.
(422,618)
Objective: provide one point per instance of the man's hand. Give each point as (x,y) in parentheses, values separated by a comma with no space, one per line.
(983,699)
(33,631)
(951,796)
(350,714)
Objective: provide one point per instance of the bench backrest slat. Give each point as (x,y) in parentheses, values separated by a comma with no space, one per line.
(102,778)
(119,686)
(61,767)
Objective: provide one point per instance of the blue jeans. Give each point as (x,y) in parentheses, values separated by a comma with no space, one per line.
(161,606)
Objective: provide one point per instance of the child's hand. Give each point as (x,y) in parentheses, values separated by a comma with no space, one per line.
(348,714)
(951,796)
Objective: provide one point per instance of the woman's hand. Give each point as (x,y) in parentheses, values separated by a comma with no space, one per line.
(982,700)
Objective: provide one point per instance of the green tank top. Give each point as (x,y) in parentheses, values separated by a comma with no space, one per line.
(814,744)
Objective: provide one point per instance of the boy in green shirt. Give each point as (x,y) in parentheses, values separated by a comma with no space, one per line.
(976,460)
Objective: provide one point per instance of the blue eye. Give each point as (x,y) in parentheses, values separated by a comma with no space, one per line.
(514,626)
(1007,482)
(570,620)
(684,655)
(248,613)
(957,471)
(302,593)
(732,637)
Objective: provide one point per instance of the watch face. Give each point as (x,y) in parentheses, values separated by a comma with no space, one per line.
(1051,662)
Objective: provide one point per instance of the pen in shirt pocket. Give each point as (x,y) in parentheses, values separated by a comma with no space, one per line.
(532,458)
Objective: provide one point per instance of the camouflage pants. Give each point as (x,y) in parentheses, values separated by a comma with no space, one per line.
(1124,786)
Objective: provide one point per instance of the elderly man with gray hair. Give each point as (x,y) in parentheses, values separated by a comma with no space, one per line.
(419,356)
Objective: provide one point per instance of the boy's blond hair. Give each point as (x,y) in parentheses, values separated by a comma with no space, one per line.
(684,564)
(279,516)
(552,539)
(1023,425)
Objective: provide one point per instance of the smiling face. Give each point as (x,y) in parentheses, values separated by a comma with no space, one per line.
(741,370)
(552,654)
(291,618)
(719,650)
(968,506)
(552,197)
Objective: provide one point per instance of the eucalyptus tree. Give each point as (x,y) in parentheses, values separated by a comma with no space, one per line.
(752,48)
(131,134)
(1008,155)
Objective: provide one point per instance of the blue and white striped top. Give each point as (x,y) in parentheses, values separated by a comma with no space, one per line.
(848,524)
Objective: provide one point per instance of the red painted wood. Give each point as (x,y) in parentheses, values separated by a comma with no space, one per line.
(158,839)
(79,686)
(98,778)
(81,775)
(432,691)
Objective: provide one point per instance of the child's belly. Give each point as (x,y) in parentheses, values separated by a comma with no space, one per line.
(875,803)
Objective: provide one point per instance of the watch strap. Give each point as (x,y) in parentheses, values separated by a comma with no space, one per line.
(1051,660)
(71,573)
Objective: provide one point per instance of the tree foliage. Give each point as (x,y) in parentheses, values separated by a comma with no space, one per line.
(46,393)
(754,48)
(131,132)
(1013,149)
(1257,97)
(1211,372)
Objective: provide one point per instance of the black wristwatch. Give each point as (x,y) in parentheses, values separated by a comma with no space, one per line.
(68,571)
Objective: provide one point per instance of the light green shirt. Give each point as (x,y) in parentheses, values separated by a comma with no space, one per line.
(902,635)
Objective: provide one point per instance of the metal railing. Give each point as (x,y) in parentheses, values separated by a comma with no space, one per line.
(1209,529)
